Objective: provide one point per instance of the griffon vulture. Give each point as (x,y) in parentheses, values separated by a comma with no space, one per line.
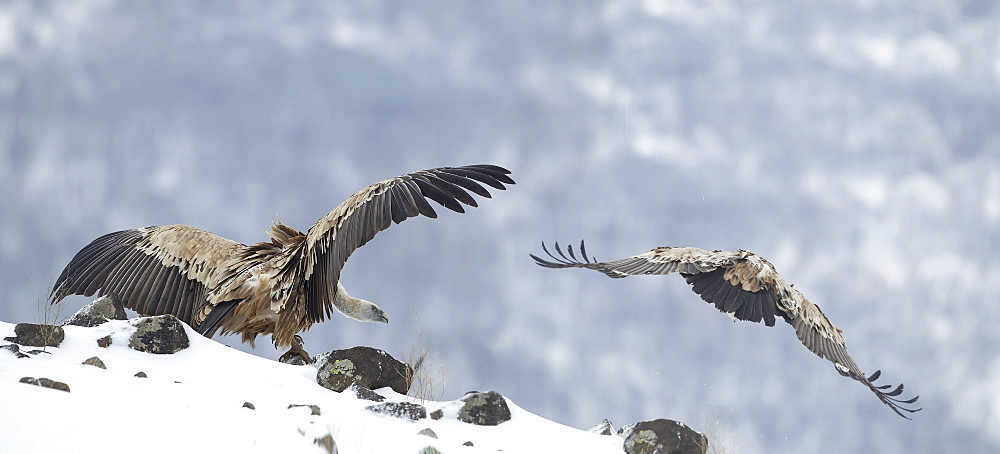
(746,287)
(280,287)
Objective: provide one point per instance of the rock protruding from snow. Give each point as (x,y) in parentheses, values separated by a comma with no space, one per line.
(663,436)
(402,410)
(484,409)
(45,383)
(13,348)
(100,311)
(326,442)
(162,334)
(364,393)
(603,428)
(313,409)
(33,335)
(94,361)
(366,366)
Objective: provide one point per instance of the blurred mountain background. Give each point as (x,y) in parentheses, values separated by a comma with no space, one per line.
(855,144)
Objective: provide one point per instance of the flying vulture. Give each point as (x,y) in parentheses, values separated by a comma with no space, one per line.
(279,287)
(746,287)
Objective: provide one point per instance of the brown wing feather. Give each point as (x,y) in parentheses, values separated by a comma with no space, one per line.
(334,237)
(749,288)
(152,270)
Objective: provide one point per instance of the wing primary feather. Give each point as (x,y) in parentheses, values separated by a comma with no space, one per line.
(466,183)
(477,175)
(418,200)
(454,191)
(432,192)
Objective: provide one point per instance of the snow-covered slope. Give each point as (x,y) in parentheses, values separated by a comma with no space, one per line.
(192,401)
(854,144)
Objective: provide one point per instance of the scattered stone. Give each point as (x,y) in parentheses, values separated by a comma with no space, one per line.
(428,432)
(437,414)
(402,410)
(140,374)
(484,409)
(364,393)
(13,348)
(429,450)
(249,405)
(162,334)
(104,309)
(94,361)
(32,335)
(45,382)
(468,443)
(104,342)
(313,408)
(326,442)
(366,366)
(663,436)
(603,428)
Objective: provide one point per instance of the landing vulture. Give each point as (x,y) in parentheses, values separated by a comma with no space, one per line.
(279,287)
(746,287)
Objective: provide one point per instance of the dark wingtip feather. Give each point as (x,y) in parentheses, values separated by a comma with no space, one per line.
(889,398)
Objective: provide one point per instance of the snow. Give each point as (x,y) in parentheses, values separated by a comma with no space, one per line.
(193,400)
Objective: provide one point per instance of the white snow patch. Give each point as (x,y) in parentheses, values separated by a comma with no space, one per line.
(192,401)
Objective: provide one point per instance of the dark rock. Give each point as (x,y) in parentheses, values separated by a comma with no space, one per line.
(468,443)
(437,414)
(326,442)
(366,366)
(104,342)
(13,348)
(663,436)
(603,428)
(249,405)
(402,410)
(94,361)
(484,409)
(428,432)
(364,393)
(30,334)
(162,334)
(45,382)
(313,408)
(140,374)
(100,311)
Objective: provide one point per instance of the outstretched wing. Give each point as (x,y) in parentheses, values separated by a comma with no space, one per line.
(152,270)
(729,280)
(747,287)
(373,209)
(818,334)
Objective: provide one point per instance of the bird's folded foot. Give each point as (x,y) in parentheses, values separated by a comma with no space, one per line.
(296,355)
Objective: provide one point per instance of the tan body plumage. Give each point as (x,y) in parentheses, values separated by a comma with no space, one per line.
(279,287)
(747,287)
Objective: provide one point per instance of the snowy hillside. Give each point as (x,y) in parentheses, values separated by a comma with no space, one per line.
(193,401)
(854,144)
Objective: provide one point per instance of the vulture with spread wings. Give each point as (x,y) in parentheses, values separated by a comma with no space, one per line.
(279,287)
(746,287)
